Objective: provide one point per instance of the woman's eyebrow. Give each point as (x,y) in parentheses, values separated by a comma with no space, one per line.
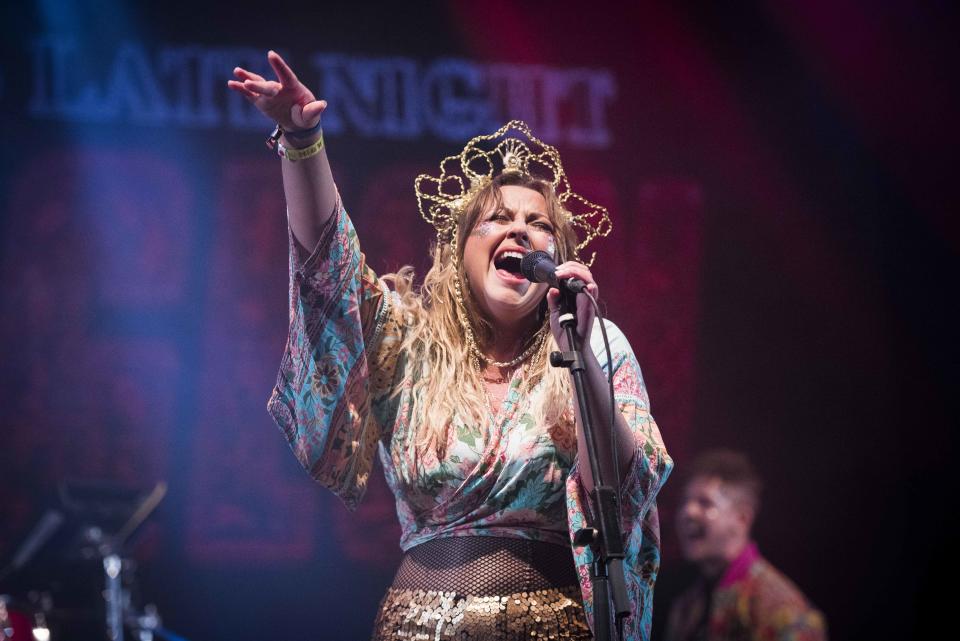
(513,213)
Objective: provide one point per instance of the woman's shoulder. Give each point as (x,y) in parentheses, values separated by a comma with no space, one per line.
(618,341)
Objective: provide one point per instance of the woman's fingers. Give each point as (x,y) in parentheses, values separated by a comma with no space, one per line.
(585,316)
(239,85)
(572,266)
(243,74)
(263,87)
(284,100)
(239,88)
(585,311)
(553,300)
(312,110)
(284,73)
(571,269)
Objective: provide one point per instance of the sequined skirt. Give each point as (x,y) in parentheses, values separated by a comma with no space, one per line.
(473,588)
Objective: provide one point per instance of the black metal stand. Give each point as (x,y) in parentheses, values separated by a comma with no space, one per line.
(93,522)
(603,534)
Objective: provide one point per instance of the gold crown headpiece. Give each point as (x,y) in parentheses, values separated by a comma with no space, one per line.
(442,198)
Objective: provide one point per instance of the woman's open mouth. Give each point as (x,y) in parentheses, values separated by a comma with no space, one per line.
(507,265)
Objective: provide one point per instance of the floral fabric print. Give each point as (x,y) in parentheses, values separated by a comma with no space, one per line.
(753,601)
(512,478)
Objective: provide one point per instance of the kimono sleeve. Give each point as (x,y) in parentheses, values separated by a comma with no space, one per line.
(332,398)
(650,468)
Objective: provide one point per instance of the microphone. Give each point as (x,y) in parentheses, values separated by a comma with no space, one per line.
(538,267)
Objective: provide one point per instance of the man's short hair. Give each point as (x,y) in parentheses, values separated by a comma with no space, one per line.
(732,468)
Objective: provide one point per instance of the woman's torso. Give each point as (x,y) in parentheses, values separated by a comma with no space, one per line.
(503,479)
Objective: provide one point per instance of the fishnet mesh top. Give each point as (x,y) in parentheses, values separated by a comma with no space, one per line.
(486,566)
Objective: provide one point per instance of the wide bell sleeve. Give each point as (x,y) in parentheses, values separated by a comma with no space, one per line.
(650,468)
(332,399)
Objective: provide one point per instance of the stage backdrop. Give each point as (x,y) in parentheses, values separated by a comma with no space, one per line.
(769,234)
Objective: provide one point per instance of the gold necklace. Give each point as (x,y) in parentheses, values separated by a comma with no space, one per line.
(472,341)
(525,371)
(539,338)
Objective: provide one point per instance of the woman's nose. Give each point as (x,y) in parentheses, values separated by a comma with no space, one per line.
(518,232)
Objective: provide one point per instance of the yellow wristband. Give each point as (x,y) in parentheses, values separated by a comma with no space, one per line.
(293,155)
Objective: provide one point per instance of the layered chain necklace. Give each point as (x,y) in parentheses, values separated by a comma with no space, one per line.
(539,338)
(527,357)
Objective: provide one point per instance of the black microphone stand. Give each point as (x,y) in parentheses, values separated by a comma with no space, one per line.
(603,533)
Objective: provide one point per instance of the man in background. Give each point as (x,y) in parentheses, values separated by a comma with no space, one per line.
(738,594)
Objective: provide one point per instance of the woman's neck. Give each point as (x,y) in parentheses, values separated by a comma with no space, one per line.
(509,341)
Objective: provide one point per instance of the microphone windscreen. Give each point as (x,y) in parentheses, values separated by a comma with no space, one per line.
(537,267)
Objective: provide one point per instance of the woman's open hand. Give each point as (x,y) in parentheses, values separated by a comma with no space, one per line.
(286,100)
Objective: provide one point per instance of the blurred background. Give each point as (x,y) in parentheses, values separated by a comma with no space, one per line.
(781,176)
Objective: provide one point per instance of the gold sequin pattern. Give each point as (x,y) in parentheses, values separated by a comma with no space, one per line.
(419,615)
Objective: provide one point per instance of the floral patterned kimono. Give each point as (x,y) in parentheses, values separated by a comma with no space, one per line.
(514,478)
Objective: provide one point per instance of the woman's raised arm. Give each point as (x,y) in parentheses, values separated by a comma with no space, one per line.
(307,183)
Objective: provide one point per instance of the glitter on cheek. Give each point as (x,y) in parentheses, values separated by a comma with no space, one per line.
(483,229)
(552,247)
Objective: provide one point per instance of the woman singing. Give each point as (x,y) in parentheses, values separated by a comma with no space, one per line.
(449,382)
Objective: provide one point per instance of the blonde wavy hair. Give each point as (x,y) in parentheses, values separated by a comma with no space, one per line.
(440,368)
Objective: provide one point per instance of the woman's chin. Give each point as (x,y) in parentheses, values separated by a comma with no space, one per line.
(510,307)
